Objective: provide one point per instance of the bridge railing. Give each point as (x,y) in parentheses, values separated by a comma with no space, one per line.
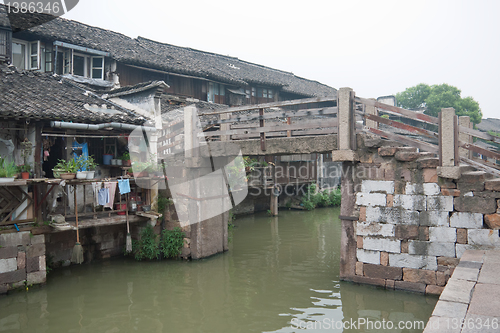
(312,117)
(453,141)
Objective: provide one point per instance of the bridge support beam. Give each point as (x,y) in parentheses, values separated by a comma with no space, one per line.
(348,243)
(449,159)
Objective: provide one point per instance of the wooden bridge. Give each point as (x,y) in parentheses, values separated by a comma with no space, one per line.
(326,124)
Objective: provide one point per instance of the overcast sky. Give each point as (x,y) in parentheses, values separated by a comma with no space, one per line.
(375,47)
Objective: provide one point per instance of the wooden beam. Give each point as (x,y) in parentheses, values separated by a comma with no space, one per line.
(406,113)
(479,150)
(276,104)
(399,125)
(319,124)
(262,134)
(329,111)
(481,166)
(407,141)
(479,134)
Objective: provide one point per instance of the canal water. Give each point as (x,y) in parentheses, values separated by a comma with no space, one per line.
(280,275)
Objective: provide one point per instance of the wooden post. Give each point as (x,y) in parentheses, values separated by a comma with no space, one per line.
(288,122)
(465,122)
(348,234)
(262,135)
(225,127)
(449,159)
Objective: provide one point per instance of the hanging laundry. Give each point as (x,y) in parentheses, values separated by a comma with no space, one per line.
(103,196)
(95,189)
(112,189)
(124,186)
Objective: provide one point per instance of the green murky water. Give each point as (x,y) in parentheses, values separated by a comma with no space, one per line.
(280,275)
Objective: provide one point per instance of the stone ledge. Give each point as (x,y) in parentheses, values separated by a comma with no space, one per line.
(449,172)
(344,156)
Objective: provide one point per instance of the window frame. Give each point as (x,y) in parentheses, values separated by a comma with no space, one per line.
(7,56)
(91,74)
(37,55)
(26,47)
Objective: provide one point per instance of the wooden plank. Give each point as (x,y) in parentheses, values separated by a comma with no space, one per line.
(456,154)
(288,122)
(440,141)
(283,124)
(276,104)
(328,111)
(407,141)
(402,126)
(171,135)
(163,148)
(406,113)
(479,134)
(479,150)
(320,124)
(262,134)
(284,134)
(481,166)
(352,111)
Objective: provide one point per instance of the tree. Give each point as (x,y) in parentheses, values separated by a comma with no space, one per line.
(436,97)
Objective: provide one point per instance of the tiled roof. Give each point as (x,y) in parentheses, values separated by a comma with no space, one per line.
(175,59)
(40,96)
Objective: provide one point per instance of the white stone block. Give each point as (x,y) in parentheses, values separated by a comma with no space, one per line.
(466,220)
(382,244)
(435,218)
(8,265)
(431,248)
(369,257)
(15,239)
(412,261)
(371,199)
(424,188)
(461,248)
(482,237)
(410,202)
(375,229)
(442,234)
(442,203)
(377,186)
(391,215)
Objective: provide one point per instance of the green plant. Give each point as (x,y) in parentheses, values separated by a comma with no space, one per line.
(7,169)
(70,166)
(269,212)
(171,242)
(288,204)
(90,163)
(125,156)
(147,246)
(163,202)
(24,168)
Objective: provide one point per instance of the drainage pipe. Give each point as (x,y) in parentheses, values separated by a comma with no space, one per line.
(96,127)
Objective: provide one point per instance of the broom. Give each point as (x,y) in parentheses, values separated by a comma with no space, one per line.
(129,237)
(77,255)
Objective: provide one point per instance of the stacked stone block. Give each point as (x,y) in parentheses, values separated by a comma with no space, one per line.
(414,226)
(22,260)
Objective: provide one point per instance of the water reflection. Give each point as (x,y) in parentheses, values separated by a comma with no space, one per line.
(277,272)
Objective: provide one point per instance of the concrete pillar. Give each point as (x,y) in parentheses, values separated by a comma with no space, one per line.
(348,232)
(371,109)
(465,122)
(448,145)
(346,142)
(225,127)
(345,118)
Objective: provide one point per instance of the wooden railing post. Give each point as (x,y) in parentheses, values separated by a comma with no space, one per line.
(465,122)
(346,137)
(449,159)
(262,135)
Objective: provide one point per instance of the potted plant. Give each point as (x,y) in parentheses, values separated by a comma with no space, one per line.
(67,169)
(24,169)
(126,159)
(7,170)
(91,165)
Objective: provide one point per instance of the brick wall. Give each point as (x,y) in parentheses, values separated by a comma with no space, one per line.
(414,226)
(22,260)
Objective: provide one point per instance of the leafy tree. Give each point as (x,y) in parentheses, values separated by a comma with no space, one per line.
(436,97)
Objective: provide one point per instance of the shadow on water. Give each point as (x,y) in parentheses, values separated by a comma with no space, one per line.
(280,273)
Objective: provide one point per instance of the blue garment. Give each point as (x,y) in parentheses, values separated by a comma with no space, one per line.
(124,186)
(84,152)
(103,196)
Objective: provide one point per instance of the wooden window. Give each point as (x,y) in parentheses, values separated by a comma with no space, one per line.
(5,45)
(97,68)
(35,55)
(48,57)
(19,54)
(270,94)
(254,92)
